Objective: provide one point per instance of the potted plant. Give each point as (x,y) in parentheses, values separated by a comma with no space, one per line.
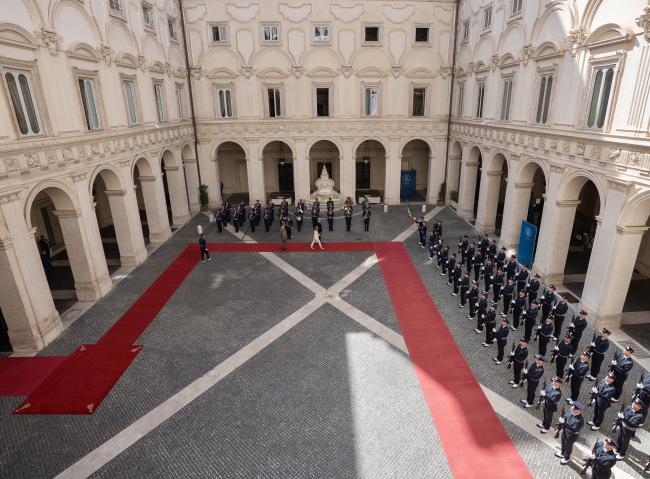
(442,193)
(453,196)
(203,196)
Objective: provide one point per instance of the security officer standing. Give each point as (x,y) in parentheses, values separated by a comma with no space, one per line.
(507,291)
(470,252)
(544,333)
(366,215)
(477,262)
(573,423)
(530,317)
(502,339)
(235,218)
(551,397)
(500,258)
(533,288)
(315,213)
(576,328)
(347,212)
(253,218)
(422,230)
(518,306)
(330,215)
(456,276)
(563,350)
(598,348)
(464,287)
(548,300)
(621,365)
(451,264)
(533,376)
(226,211)
(442,260)
(481,311)
(472,299)
(490,325)
(462,247)
(519,357)
(492,250)
(511,267)
(577,371)
(497,282)
(267,218)
(522,278)
(488,274)
(630,419)
(603,459)
(604,393)
(559,310)
(299,214)
(329,204)
(219,219)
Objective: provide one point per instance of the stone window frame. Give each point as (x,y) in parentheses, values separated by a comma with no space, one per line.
(480,82)
(518,14)
(542,71)
(215,92)
(313,25)
(488,28)
(172,21)
(507,76)
(323,84)
(466,32)
(93,75)
(125,77)
(429,41)
(266,86)
(461,98)
(277,42)
(163,100)
(151,28)
(120,13)
(412,87)
(380,34)
(615,60)
(211,40)
(184,114)
(378,86)
(31,67)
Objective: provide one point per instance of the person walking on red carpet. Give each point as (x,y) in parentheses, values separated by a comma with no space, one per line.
(203,245)
(316,238)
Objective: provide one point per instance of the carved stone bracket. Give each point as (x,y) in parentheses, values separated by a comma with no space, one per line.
(106,52)
(644,22)
(50,39)
(526,53)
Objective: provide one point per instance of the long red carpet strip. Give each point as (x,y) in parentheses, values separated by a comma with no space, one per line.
(288,248)
(19,376)
(475,442)
(80,384)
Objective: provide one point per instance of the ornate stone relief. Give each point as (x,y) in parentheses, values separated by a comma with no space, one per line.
(397,15)
(106,53)
(346,14)
(295,14)
(644,22)
(142,62)
(243,14)
(445,72)
(49,39)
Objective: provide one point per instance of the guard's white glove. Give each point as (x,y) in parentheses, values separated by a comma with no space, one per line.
(512,353)
(613,361)
(639,385)
(527,285)
(494,330)
(571,367)
(525,371)
(557,348)
(593,344)
(512,302)
(542,297)
(539,327)
(492,277)
(561,420)
(542,393)
(594,389)
(620,415)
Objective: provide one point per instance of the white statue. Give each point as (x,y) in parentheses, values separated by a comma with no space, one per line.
(324,185)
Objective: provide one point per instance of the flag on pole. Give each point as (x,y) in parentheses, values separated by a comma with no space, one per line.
(410,213)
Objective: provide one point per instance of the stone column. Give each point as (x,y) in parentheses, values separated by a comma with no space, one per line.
(301,171)
(393,172)
(348,169)
(255,169)
(488,200)
(613,256)
(83,244)
(515,210)
(467,187)
(157,219)
(25,297)
(209,173)
(553,218)
(129,236)
(177,195)
(192,184)
(453,173)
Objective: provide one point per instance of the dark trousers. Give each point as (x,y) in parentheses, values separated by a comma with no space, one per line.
(558,320)
(546,309)
(252,226)
(501,346)
(528,325)
(288,230)
(489,334)
(330,224)
(576,383)
(520,285)
(219,227)
(472,308)
(422,238)
(548,417)
(267,225)
(496,290)
(560,364)
(567,440)
(516,314)
(236,225)
(618,386)
(506,304)
(543,344)
(348,223)
(456,285)
(480,320)
(477,271)
(576,342)
(623,440)
(366,224)
(299,224)
(463,296)
(517,367)
(205,254)
(599,412)
(532,297)
(314,221)
(443,264)
(530,391)
(596,362)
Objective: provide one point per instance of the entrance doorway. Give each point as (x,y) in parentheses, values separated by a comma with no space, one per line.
(363,176)
(5,345)
(285,177)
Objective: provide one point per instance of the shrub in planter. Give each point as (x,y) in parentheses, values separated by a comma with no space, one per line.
(203,195)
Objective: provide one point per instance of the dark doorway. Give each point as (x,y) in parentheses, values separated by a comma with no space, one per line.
(319,168)
(285,177)
(477,188)
(5,345)
(48,226)
(363,176)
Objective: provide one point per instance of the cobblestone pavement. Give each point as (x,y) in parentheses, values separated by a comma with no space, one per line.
(327,399)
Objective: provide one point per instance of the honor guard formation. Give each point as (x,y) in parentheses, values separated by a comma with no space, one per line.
(503,298)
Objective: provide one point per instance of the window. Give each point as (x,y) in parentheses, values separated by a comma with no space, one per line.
(419,96)
(115,5)
(180,101)
(219,33)
(88,99)
(600,97)
(271,33)
(487,18)
(321,33)
(479,100)
(505,99)
(322,101)
(19,84)
(466,31)
(129,94)
(171,25)
(517,6)
(461,98)
(275,102)
(544,100)
(147,15)
(224,102)
(371,101)
(160,107)
(371,34)
(421,34)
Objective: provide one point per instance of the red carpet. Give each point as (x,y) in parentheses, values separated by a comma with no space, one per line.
(475,442)
(19,376)
(289,247)
(81,382)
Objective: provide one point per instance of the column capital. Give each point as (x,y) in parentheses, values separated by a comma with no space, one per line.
(189,160)
(11,195)
(631,230)
(567,203)
(617,184)
(77,177)
(172,168)
(115,192)
(124,163)
(493,173)
(6,243)
(76,213)
(147,179)
(556,167)
(524,185)
(475,163)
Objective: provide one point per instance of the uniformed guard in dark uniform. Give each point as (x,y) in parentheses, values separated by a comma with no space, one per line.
(629,420)
(621,365)
(227,213)
(253,219)
(299,214)
(559,311)
(577,371)
(497,282)
(603,458)
(507,291)
(501,337)
(347,212)
(456,276)
(483,245)
(576,328)
(451,264)
(644,393)
(242,214)
(315,213)
(235,218)
(604,392)
(464,287)
(330,215)
(563,350)
(511,267)
(533,376)
(490,324)
(522,278)
(492,251)
(598,348)
(544,333)
(573,423)
(432,241)
(462,247)
(488,274)
(366,216)
(287,223)
(267,217)
(500,258)
(422,231)
(519,357)
(551,397)
(477,263)
(548,300)
(442,260)
(480,312)
(518,306)
(219,219)
(472,299)
(530,317)
(533,287)
(470,252)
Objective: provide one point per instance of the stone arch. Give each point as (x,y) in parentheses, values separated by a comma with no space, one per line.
(492,193)
(483,50)
(59,192)
(508,37)
(324,152)
(232,163)
(636,210)
(287,141)
(370,138)
(322,57)
(371,167)
(552,20)
(239,143)
(121,39)
(110,175)
(572,184)
(173,180)
(20,8)
(453,174)
(78,20)
(418,154)
(312,141)
(278,157)
(470,181)
(150,196)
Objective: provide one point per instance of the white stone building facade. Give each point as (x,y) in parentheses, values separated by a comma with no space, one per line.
(551,123)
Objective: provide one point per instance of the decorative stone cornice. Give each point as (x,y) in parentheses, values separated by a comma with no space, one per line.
(11,195)
(49,39)
(644,22)
(494,61)
(146,179)
(524,185)
(631,230)
(197,72)
(576,38)
(617,184)
(142,63)
(567,203)
(106,53)
(77,177)
(75,213)
(115,192)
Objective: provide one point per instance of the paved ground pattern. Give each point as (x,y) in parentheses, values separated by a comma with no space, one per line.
(327,399)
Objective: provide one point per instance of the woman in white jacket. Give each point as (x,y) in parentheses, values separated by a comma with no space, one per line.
(316,238)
